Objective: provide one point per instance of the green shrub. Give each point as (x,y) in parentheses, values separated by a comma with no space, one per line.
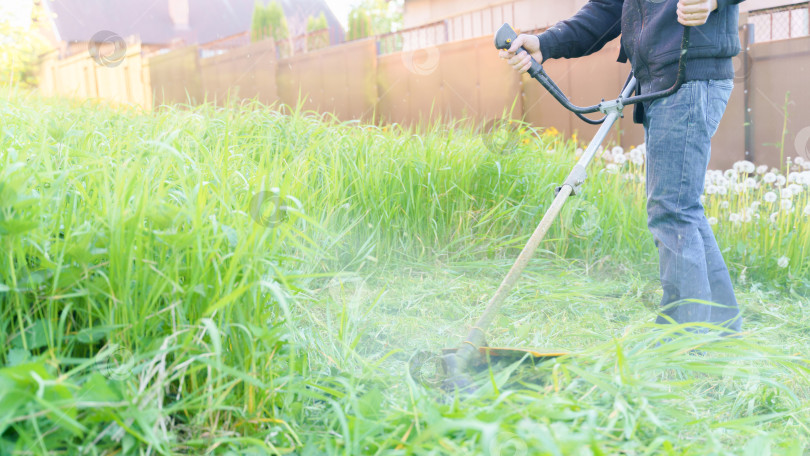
(268,21)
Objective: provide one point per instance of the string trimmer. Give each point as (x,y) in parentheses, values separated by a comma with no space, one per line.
(474,351)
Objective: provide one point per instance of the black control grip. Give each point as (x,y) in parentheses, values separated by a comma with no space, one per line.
(504,38)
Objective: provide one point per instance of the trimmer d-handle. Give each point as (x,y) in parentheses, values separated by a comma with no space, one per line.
(506,35)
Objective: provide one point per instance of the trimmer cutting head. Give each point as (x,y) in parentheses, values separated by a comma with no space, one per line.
(457,373)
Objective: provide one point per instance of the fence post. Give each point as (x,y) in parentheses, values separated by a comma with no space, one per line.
(747,63)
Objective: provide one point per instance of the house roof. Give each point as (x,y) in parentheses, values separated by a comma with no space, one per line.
(209,20)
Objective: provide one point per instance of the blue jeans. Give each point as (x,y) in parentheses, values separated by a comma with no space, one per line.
(678,131)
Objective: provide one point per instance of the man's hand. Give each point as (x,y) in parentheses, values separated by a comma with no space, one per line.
(695,12)
(521,61)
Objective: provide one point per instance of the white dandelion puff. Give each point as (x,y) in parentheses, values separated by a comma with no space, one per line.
(713,220)
(636,156)
(762,169)
(786,205)
(618,150)
(795,189)
(730,174)
(755,206)
(806,211)
(724,205)
(711,189)
(783,262)
(619,159)
(769,178)
(770,197)
(799,160)
(734,217)
(722,190)
(751,182)
(780,180)
(773,217)
(612,168)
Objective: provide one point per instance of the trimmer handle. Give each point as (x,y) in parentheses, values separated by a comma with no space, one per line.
(504,38)
(506,35)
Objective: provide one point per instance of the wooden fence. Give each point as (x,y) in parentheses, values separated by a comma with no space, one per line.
(461,79)
(79,76)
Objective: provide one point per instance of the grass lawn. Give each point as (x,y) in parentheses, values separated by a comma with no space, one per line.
(242,281)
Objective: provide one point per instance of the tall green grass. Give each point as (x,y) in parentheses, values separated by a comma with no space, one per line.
(167,285)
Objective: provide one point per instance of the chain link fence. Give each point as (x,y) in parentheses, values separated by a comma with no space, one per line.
(780,23)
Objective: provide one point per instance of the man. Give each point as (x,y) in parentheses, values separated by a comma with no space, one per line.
(678,129)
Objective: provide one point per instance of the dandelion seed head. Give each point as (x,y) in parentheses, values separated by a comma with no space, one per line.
(724,205)
(744,166)
(780,180)
(620,159)
(770,197)
(612,168)
(734,217)
(769,178)
(783,262)
(711,189)
(773,217)
(762,169)
(722,190)
(786,205)
(806,211)
(751,182)
(730,174)
(712,220)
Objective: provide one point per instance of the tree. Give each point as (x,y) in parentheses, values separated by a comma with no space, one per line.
(268,21)
(359,24)
(375,17)
(317,38)
(20,48)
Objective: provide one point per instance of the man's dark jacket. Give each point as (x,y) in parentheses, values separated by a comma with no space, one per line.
(651,39)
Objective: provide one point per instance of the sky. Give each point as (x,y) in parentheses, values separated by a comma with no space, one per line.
(16,12)
(341,8)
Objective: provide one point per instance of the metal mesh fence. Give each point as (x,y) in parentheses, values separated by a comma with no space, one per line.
(780,23)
